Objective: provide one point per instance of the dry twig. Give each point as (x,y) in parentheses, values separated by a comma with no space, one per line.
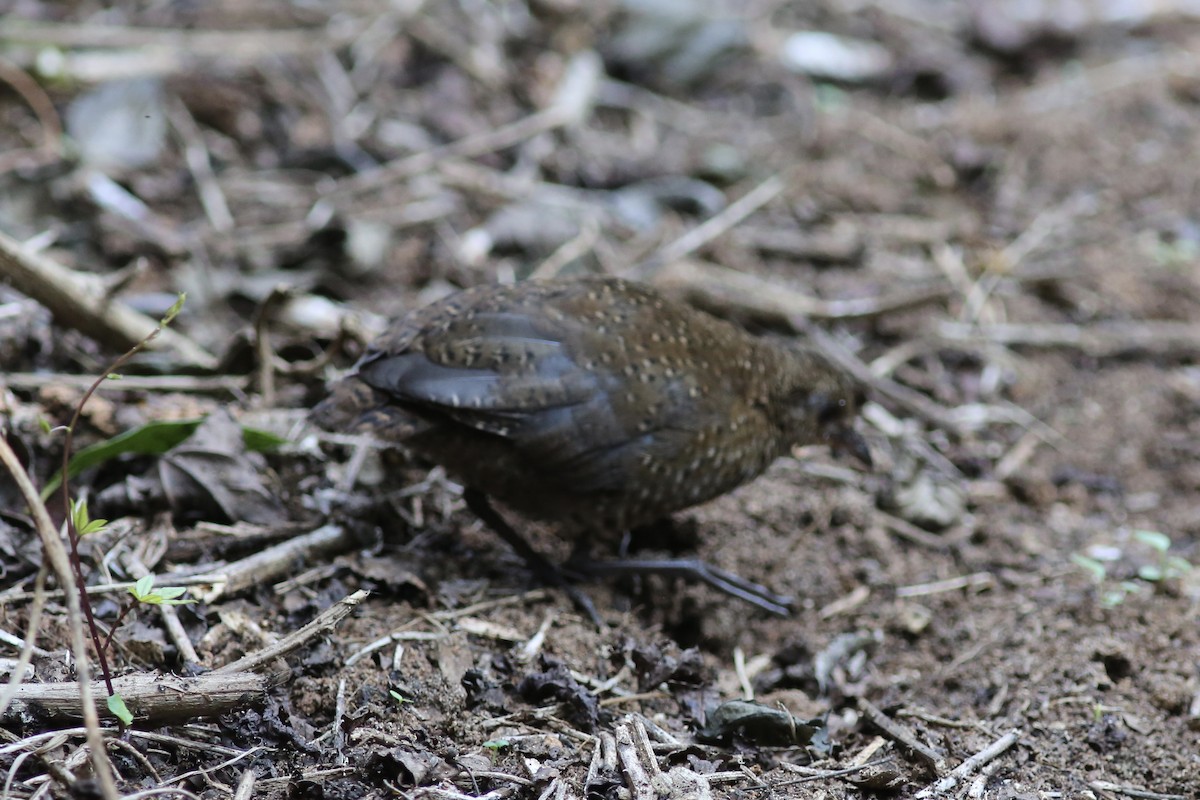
(93,53)
(740,293)
(273,562)
(200,164)
(570,107)
(323,622)
(43,107)
(711,228)
(975,581)
(901,734)
(234,385)
(56,554)
(1158,337)
(1129,791)
(973,763)
(29,646)
(78,300)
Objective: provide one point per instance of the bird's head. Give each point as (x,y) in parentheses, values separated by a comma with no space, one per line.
(817,403)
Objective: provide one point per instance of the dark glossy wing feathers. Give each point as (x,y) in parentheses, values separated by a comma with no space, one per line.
(526,388)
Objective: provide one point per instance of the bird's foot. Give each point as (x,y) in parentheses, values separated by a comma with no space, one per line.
(693,569)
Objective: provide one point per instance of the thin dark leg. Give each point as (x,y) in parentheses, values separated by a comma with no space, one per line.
(479,504)
(696,570)
(635,581)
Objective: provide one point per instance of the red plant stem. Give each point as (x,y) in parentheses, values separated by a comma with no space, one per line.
(112,631)
(72,533)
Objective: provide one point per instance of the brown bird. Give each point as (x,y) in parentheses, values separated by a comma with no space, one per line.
(596,403)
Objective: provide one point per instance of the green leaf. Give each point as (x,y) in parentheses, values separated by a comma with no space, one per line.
(257,440)
(1112,598)
(79,519)
(1150,572)
(116,705)
(1132,587)
(153,438)
(829,98)
(143,587)
(144,592)
(174,310)
(1090,565)
(1176,566)
(496,744)
(1159,541)
(44,424)
(168,596)
(95,526)
(156,599)
(79,514)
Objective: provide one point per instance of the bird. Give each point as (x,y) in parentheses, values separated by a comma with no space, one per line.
(595,403)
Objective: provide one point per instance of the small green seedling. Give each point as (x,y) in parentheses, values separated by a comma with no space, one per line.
(1168,566)
(1091,566)
(144,592)
(84,525)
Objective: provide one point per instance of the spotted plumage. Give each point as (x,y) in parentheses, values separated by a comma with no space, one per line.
(594,401)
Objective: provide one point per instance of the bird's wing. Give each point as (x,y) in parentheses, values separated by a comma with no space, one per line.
(524,386)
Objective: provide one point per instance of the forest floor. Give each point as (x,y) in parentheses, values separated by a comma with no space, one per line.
(998,217)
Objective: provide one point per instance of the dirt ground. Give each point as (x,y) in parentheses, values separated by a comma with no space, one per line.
(997,215)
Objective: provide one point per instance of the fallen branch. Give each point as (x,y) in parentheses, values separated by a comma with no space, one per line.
(79,300)
(274,562)
(325,621)
(11,596)
(151,697)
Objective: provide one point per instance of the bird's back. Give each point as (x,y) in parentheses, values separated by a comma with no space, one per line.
(592,400)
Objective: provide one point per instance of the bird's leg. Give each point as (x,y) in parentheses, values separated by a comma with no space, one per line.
(693,569)
(479,504)
(635,580)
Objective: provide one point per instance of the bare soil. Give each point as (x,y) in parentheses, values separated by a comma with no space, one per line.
(994,573)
